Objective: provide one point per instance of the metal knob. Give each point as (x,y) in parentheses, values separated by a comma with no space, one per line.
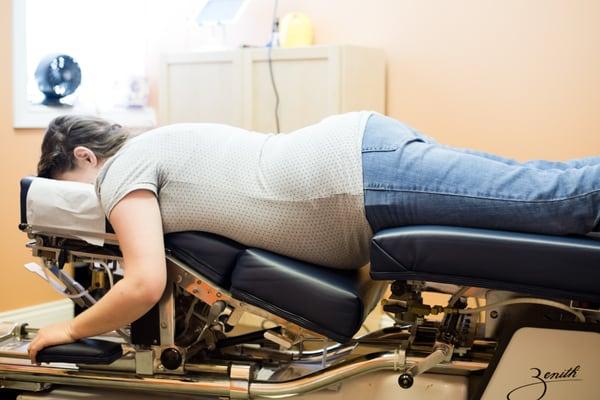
(405,381)
(171,359)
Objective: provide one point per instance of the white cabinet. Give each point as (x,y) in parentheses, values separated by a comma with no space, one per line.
(201,87)
(234,87)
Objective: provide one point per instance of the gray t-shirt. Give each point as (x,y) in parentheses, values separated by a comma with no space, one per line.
(298,194)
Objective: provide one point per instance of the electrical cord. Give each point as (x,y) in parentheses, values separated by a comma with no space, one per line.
(270,61)
(104,265)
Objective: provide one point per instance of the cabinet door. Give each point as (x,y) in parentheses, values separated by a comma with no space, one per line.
(201,87)
(307,80)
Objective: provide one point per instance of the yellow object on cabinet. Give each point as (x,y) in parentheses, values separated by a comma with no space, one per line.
(296,30)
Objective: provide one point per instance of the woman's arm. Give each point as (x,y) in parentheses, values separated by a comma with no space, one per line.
(138,225)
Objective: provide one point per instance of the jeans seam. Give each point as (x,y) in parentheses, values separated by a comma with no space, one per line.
(383,189)
(374,149)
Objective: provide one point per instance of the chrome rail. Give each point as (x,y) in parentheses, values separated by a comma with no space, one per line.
(211,386)
(200,385)
(326,377)
(214,382)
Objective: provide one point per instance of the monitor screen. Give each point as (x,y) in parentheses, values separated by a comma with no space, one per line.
(219,11)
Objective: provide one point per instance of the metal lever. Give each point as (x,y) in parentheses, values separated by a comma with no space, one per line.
(278,339)
(442,352)
(215,310)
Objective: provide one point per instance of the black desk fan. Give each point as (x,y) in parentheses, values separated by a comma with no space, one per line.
(57,76)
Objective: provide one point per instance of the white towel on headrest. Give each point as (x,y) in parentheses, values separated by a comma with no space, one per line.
(66,207)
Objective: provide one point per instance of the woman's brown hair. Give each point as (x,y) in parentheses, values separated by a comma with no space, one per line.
(66,132)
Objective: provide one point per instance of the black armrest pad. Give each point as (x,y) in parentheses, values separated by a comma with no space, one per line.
(85,351)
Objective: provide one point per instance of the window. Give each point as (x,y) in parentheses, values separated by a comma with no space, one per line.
(107,38)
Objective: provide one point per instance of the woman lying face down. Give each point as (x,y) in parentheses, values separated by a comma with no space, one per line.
(316,194)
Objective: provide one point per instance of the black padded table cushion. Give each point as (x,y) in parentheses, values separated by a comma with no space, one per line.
(550,266)
(212,256)
(327,301)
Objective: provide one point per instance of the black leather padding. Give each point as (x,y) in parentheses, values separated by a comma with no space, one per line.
(25,184)
(549,266)
(327,301)
(211,255)
(85,351)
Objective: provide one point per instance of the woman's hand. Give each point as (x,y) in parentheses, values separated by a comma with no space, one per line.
(50,335)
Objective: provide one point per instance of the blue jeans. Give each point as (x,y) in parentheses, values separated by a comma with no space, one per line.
(409,179)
